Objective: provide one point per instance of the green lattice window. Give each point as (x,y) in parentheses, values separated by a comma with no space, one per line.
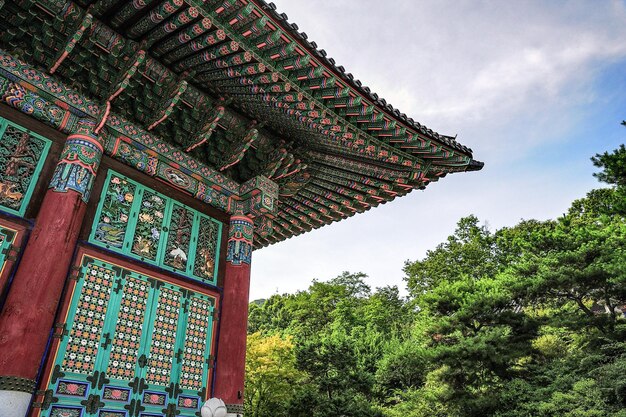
(22,155)
(139,222)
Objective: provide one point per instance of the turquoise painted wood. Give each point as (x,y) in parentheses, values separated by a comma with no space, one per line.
(134,346)
(22,157)
(141,223)
(7,237)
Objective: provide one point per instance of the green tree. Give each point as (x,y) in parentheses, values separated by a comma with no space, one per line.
(613,166)
(434,399)
(522,322)
(313,311)
(470,251)
(403,366)
(271,315)
(271,375)
(473,322)
(578,259)
(583,400)
(386,313)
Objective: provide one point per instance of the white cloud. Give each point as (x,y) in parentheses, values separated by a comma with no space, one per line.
(515,80)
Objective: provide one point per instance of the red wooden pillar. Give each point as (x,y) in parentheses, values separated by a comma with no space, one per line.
(231,348)
(28,314)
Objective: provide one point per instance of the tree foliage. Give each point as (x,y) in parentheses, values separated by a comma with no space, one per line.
(522,321)
(271,374)
(613,166)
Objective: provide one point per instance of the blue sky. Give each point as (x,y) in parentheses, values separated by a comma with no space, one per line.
(535,88)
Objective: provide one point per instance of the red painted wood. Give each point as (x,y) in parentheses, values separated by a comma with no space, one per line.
(231,348)
(31,304)
(44,381)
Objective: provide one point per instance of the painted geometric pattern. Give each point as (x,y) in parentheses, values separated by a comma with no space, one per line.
(84,338)
(128,329)
(194,351)
(163,337)
(149,226)
(115,212)
(147,318)
(47,84)
(22,155)
(139,222)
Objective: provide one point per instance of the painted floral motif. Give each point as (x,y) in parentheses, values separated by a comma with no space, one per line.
(196,347)
(128,329)
(65,412)
(112,224)
(21,155)
(163,337)
(137,158)
(139,222)
(178,240)
(84,337)
(116,394)
(154,398)
(188,402)
(143,307)
(76,389)
(107,413)
(149,226)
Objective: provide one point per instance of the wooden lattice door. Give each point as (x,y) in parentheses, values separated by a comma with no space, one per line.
(134,346)
(11,236)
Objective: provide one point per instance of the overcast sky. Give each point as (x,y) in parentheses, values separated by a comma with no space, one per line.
(535,88)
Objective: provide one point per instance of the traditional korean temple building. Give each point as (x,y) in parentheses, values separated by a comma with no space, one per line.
(146,149)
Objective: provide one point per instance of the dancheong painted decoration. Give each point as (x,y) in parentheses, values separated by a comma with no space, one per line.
(169,139)
(132,343)
(227,89)
(139,222)
(10,234)
(22,154)
(7,236)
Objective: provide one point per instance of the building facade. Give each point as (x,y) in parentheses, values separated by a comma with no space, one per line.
(146,149)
